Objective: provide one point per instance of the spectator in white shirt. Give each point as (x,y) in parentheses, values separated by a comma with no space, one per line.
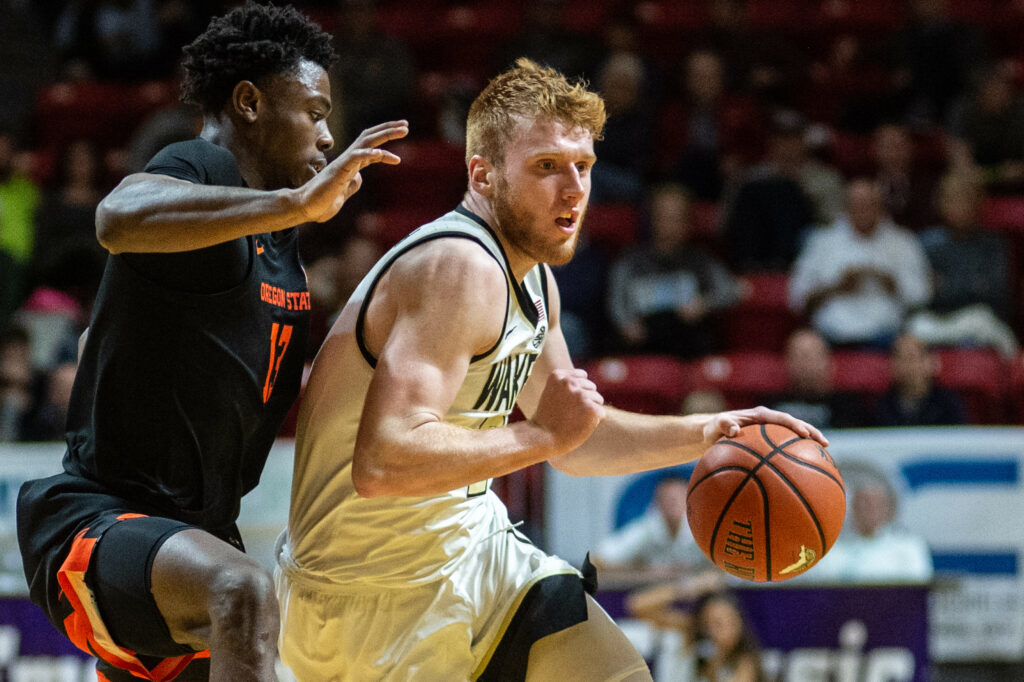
(872,548)
(656,545)
(857,279)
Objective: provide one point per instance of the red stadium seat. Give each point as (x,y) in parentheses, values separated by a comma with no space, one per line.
(1003,213)
(434,87)
(981,378)
(390,225)
(851,152)
(706,215)
(782,16)
(1016,389)
(745,378)
(986,13)
(665,26)
(586,16)
(406,19)
(474,29)
(866,372)
(930,150)
(67,111)
(652,384)
(671,16)
(442,35)
(860,16)
(762,321)
(613,226)
(106,113)
(432,176)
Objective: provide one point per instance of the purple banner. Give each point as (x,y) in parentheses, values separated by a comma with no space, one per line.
(32,649)
(845,634)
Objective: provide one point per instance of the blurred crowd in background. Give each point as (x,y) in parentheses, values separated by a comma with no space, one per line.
(813,203)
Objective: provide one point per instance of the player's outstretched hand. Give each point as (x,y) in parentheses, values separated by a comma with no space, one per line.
(570,408)
(322,197)
(730,423)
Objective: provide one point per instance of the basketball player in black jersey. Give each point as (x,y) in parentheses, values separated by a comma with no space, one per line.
(193,358)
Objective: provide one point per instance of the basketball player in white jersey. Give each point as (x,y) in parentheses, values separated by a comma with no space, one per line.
(399,562)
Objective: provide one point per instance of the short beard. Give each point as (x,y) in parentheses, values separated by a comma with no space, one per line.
(517,232)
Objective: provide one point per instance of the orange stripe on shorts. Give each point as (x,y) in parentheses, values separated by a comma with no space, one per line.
(81,628)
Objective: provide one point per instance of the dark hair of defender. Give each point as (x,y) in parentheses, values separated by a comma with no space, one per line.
(249,43)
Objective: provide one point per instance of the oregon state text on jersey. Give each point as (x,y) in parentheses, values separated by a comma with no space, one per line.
(192,362)
(181,391)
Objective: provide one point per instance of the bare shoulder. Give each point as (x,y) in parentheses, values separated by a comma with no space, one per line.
(449,267)
(451,286)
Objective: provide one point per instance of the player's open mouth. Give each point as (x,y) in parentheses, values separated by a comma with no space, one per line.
(566,221)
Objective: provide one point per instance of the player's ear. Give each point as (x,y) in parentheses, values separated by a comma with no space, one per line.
(481,175)
(246,100)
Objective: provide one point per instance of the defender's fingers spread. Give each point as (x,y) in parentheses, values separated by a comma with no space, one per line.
(401,123)
(373,130)
(361,158)
(379,137)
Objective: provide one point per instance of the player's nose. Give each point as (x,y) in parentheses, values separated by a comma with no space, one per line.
(325,141)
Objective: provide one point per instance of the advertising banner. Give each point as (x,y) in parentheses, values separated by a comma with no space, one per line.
(959,488)
(842,634)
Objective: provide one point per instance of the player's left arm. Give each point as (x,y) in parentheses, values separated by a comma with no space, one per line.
(628,442)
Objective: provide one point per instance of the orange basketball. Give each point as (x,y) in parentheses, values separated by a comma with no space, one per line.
(767,504)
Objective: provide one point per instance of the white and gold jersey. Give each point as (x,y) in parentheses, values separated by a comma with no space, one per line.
(335,537)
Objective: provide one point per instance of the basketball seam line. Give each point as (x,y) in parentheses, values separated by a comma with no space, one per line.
(763,460)
(803,500)
(732,498)
(750,475)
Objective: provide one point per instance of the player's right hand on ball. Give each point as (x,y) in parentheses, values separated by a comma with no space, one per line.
(570,408)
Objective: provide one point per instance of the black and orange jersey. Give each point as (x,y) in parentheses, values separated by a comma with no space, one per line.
(191,364)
